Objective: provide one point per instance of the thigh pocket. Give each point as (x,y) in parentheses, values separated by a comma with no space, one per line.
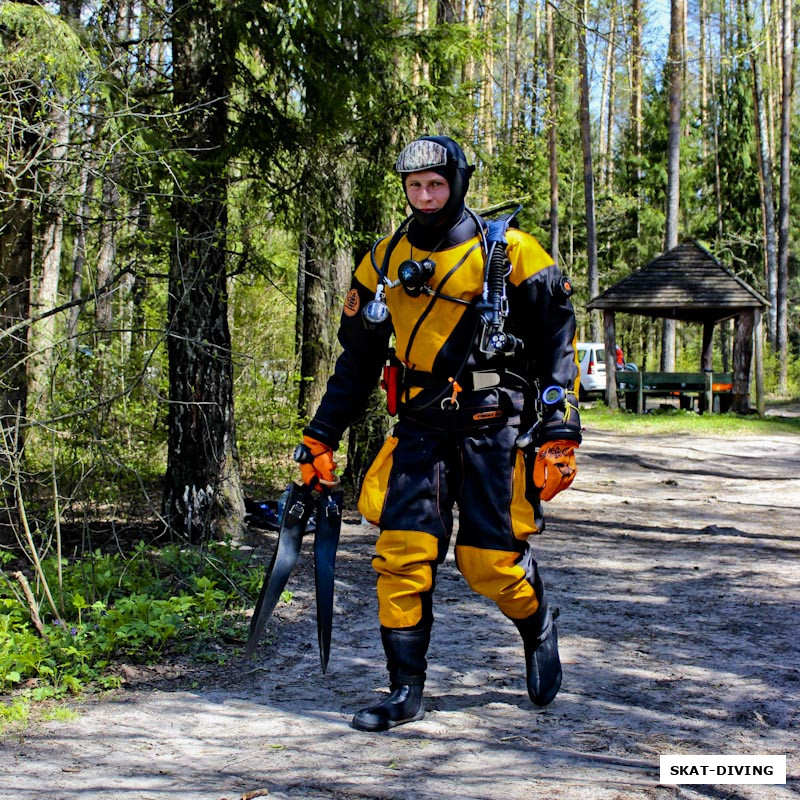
(376,481)
(526,515)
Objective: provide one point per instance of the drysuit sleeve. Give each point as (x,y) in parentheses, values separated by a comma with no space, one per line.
(544,317)
(357,369)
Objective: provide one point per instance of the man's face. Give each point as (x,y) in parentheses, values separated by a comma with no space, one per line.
(427,191)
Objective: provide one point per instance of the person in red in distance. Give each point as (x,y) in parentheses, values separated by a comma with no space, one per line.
(483,371)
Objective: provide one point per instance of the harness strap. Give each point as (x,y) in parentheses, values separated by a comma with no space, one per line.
(469,381)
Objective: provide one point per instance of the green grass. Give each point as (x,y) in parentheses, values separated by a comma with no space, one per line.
(17,713)
(675,421)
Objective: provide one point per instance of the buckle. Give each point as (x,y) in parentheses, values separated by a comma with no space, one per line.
(485,379)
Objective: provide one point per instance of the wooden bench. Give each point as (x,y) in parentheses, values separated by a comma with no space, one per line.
(686,386)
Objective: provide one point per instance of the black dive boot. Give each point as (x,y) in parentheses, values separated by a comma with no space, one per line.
(405,658)
(541,654)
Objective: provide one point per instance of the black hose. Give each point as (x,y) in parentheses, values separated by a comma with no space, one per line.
(496,281)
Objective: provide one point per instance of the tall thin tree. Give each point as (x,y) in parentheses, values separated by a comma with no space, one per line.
(636,27)
(552,128)
(675,59)
(787,84)
(588,170)
(765,173)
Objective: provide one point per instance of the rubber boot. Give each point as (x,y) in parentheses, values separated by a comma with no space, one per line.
(405,650)
(543,666)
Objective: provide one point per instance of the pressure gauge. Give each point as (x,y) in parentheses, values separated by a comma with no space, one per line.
(553,395)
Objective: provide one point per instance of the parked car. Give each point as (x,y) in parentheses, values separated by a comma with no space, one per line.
(592,359)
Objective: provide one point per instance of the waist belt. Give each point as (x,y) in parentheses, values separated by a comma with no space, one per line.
(469,380)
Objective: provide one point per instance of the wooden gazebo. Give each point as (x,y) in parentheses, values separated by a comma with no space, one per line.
(687,283)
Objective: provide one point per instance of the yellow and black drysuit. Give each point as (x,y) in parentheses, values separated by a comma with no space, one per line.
(459,412)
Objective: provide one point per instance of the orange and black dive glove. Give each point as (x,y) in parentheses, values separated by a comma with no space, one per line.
(316,463)
(554,468)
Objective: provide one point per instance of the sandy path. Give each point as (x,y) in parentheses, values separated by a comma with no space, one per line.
(676,567)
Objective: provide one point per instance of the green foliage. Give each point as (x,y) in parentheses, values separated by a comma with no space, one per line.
(135,607)
(519,172)
(38,47)
(266,372)
(772,372)
(106,436)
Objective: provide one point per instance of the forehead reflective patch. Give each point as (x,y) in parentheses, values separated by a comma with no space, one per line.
(421,154)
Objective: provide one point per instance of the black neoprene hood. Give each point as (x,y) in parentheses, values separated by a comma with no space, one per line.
(446,158)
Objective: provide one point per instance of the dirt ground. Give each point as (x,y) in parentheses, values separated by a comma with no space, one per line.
(676,566)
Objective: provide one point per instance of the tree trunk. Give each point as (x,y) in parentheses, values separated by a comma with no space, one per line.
(636,100)
(468,71)
(703,19)
(203,493)
(552,130)
(325,275)
(787,67)
(610,341)
(742,360)
(18,181)
(606,143)
(675,59)
(421,72)
(487,123)
(588,175)
(446,15)
(517,80)
(771,37)
(44,333)
(16,245)
(108,247)
(85,190)
(767,190)
(533,102)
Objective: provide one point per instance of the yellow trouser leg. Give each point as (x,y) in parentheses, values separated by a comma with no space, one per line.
(496,575)
(403,562)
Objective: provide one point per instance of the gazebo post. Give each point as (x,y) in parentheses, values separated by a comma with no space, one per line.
(706,357)
(610,341)
(742,360)
(706,402)
(758,346)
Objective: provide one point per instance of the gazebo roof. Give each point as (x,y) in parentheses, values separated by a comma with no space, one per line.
(685,283)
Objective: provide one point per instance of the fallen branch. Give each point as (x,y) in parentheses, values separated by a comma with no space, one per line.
(32,605)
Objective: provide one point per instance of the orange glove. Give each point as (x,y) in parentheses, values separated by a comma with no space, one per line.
(554,468)
(316,463)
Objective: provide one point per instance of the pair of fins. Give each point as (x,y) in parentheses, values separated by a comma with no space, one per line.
(301,502)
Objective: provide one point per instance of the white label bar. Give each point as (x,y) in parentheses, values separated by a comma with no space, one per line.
(677,769)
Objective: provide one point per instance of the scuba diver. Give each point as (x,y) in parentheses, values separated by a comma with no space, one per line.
(471,322)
